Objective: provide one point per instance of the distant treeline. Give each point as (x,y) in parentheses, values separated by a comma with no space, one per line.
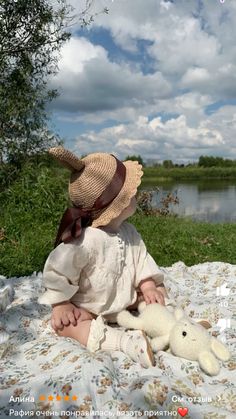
(203,161)
(210,161)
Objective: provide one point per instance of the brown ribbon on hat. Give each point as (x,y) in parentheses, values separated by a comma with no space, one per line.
(75,218)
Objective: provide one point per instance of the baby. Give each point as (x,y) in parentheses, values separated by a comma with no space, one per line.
(100,264)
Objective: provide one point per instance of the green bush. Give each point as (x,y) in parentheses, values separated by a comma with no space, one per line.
(31,209)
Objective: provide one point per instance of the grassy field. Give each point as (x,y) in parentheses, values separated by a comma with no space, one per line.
(32,207)
(170,239)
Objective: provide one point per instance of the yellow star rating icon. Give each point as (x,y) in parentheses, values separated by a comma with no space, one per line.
(58,398)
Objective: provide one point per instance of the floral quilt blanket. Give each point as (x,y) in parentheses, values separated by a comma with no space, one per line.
(43,375)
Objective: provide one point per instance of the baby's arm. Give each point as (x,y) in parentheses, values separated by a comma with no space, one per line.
(151,292)
(148,276)
(61,279)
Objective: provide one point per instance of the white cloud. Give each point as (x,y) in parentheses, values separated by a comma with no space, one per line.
(195,75)
(75,54)
(191,48)
(173,139)
(90,82)
(221,84)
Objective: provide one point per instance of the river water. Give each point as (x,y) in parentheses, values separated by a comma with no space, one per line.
(206,200)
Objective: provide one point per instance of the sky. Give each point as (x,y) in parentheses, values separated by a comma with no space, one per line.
(155,78)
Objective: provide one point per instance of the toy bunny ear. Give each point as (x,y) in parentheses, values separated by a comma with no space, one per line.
(208,363)
(219,349)
(67,158)
(178,313)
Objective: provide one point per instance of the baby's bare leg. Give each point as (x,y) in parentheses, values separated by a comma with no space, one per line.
(96,335)
(79,332)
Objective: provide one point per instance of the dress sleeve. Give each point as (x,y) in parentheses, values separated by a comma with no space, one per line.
(61,273)
(146,266)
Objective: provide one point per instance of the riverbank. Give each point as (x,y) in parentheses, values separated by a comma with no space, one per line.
(32,207)
(153,174)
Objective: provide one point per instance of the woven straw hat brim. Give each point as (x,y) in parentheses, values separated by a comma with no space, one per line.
(132,181)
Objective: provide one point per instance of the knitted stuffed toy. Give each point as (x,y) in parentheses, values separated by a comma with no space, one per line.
(6,297)
(169,327)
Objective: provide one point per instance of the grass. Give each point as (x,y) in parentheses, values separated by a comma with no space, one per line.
(171,239)
(31,208)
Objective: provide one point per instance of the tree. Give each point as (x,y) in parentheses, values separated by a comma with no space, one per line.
(168,164)
(31,33)
(211,161)
(86,17)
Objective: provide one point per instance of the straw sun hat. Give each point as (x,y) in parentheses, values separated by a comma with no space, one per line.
(100,184)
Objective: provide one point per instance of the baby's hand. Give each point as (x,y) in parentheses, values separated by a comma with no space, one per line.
(64,314)
(152,295)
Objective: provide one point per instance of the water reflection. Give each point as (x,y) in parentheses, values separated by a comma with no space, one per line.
(211,201)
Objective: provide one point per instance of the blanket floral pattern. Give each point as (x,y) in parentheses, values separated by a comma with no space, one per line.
(43,375)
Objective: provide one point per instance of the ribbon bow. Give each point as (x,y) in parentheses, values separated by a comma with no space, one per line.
(71,224)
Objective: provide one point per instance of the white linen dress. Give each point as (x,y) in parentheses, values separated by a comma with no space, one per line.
(100,271)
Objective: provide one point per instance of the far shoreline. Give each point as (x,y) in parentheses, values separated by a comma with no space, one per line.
(188,173)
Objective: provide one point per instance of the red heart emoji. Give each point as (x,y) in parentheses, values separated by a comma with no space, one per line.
(183,411)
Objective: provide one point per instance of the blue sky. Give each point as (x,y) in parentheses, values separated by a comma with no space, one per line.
(153,77)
